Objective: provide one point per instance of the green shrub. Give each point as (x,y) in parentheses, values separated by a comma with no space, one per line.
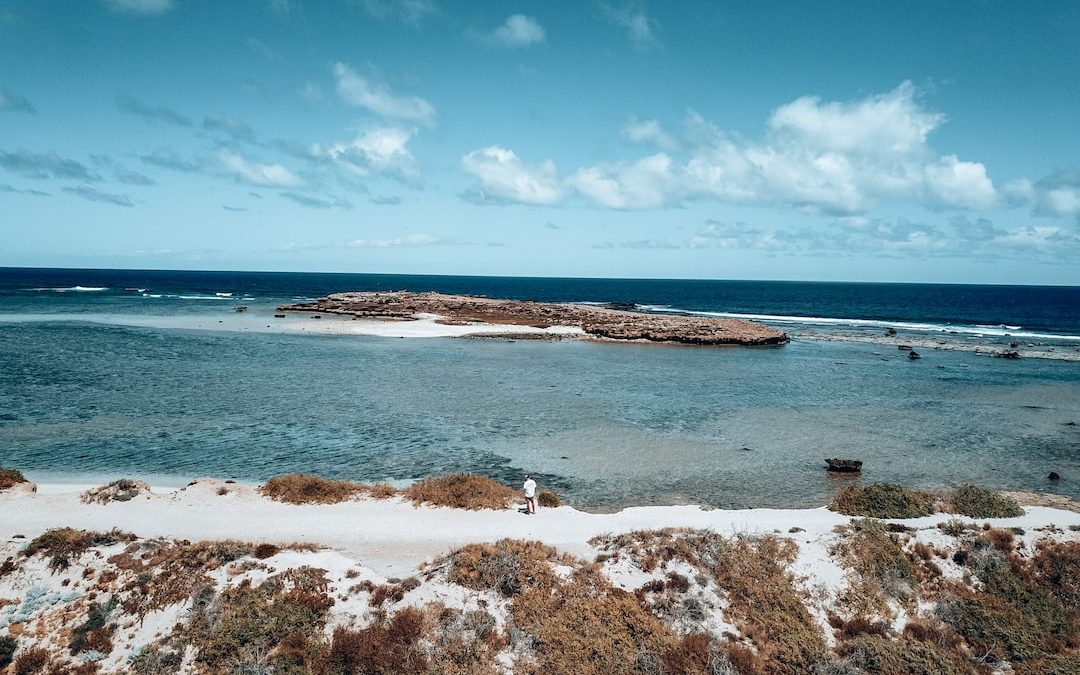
(8,645)
(978,502)
(883,500)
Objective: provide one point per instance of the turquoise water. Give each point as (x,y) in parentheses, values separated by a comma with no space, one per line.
(607,425)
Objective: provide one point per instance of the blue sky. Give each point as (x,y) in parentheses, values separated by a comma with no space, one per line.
(876,141)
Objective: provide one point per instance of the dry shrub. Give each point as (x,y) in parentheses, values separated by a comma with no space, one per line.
(931,630)
(877,566)
(588,627)
(856,626)
(64,543)
(955,527)
(507,566)
(8,645)
(164,573)
(391,592)
(30,661)
(1057,567)
(1000,539)
(548,499)
(11,478)
(382,491)
(1018,614)
(883,500)
(763,600)
(244,625)
(300,488)
(264,551)
(386,647)
(1062,664)
(923,551)
(123,490)
(460,491)
(94,634)
(876,655)
(978,502)
(463,642)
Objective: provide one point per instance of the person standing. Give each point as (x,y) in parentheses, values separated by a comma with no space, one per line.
(530,494)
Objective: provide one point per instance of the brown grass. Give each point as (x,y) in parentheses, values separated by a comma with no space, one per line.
(30,661)
(10,478)
(460,491)
(548,499)
(507,566)
(877,655)
(300,488)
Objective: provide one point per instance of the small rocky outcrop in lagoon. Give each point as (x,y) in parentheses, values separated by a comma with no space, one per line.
(914,355)
(844,465)
(603,323)
(1008,354)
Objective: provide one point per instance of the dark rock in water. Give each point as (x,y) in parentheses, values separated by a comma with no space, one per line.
(241,308)
(315,316)
(914,355)
(890,331)
(279,316)
(844,465)
(1054,475)
(1014,345)
(1007,354)
(904,348)
(622,306)
(796,530)
(1070,424)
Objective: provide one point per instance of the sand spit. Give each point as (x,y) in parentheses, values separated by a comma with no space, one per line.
(593,322)
(216,578)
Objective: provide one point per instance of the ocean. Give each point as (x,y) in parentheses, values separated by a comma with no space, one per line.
(123,373)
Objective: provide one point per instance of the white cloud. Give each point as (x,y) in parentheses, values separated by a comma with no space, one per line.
(363,92)
(409,11)
(403,242)
(649,131)
(270,175)
(505,177)
(379,149)
(830,157)
(639,26)
(519,31)
(140,6)
(636,185)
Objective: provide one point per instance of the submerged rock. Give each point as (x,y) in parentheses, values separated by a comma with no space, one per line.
(844,465)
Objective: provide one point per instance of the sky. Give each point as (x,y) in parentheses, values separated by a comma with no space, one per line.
(874,141)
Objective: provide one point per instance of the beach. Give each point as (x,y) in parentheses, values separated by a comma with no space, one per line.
(372,557)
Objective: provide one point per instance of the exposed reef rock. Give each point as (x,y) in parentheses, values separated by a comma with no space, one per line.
(596,322)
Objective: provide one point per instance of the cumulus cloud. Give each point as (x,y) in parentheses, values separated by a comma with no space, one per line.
(504,177)
(95,195)
(1055,195)
(649,131)
(145,7)
(14,103)
(378,149)
(254,173)
(364,92)
(638,25)
(826,157)
(519,31)
(152,113)
(40,166)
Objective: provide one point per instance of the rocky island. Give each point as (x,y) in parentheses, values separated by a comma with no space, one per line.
(587,321)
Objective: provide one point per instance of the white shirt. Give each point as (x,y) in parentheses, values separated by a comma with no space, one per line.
(530,488)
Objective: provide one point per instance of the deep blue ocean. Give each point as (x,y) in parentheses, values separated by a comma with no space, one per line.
(99,380)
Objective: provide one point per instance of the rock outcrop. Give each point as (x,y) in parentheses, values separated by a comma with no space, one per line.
(602,323)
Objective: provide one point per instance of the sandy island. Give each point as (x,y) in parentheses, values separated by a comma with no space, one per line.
(474,314)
